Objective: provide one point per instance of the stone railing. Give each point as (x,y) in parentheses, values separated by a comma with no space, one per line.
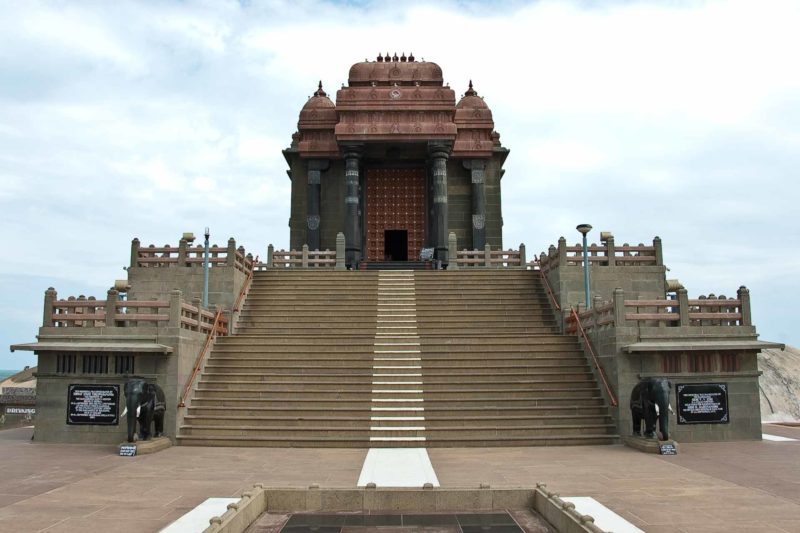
(305,258)
(82,312)
(604,254)
(486,258)
(185,255)
(704,311)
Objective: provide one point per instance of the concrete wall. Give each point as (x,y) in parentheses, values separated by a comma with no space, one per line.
(624,370)
(224,283)
(169,371)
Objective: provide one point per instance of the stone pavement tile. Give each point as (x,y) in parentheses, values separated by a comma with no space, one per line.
(38,507)
(84,525)
(739,527)
(789,526)
(28,524)
(8,499)
(125,511)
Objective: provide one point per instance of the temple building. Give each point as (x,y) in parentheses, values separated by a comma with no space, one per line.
(575,345)
(396,164)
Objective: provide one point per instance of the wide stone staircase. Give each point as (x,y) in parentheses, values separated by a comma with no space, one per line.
(396,358)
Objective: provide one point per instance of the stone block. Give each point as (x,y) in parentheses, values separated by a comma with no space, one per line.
(146,447)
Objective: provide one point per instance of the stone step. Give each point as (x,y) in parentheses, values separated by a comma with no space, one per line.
(324,441)
(366,431)
(366,420)
(231,400)
(430,413)
(368,373)
(467,386)
(353,393)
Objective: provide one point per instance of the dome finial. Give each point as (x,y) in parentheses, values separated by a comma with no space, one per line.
(320,91)
(411,57)
(380,58)
(470,91)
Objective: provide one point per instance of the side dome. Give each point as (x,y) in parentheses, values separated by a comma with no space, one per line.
(471,100)
(316,126)
(320,100)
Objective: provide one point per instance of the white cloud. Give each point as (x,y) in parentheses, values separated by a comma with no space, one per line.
(644,118)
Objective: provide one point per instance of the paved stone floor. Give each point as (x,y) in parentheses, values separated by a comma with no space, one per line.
(736,486)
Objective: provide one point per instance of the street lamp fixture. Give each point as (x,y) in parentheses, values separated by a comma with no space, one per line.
(205,270)
(584,229)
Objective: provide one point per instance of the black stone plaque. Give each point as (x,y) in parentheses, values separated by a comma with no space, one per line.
(702,403)
(96,405)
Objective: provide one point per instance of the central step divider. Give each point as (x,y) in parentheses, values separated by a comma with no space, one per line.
(397,407)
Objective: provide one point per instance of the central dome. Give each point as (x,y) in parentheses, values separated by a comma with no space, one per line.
(395,70)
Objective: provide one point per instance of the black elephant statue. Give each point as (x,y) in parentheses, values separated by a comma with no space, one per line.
(650,401)
(146,403)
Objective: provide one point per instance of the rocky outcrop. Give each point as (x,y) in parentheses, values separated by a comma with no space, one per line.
(780,384)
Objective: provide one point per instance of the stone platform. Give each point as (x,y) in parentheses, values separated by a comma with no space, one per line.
(748,486)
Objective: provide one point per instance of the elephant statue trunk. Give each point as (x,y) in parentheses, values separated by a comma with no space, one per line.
(146,403)
(650,401)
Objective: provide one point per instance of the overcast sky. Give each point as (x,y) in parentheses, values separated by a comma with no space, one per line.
(138,119)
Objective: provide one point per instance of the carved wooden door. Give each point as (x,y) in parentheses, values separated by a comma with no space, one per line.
(395,201)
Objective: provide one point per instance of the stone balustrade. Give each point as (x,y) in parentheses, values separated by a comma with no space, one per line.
(306,258)
(83,312)
(185,255)
(485,258)
(708,310)
(604,254)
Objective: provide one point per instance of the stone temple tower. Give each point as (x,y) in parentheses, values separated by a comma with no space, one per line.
(396,164)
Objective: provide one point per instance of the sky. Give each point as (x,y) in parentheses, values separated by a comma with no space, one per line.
(148,119)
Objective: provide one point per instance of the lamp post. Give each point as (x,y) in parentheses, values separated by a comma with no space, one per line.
(584,229)
(205,271)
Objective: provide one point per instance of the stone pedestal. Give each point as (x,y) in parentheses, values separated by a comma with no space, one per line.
(649,445)
(145,447)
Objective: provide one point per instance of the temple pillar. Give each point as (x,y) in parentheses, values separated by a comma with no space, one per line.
(439,153)
(315,168)
(477,168)
(352,222)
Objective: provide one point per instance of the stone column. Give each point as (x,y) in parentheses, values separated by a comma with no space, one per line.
(439,154)
(477,168)
(315,168)
(352,222)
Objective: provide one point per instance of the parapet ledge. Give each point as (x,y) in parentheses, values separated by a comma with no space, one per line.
(93,340)
(687,344)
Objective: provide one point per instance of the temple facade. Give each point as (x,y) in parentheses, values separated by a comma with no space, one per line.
(396,164)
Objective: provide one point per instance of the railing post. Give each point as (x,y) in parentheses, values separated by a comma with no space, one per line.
(659,252)
(744,296)
(135,245)
(50,297)
(270,254)
(522,255)
(683,307)
(452,251)
(562,252)
(340,264)
(611,252)
(112,298)
(182,244)
(230,260)
(619,308)
(198,304)
(304,264)
(175,309)
(487,256)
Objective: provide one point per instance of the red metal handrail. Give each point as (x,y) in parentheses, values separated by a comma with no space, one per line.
(547,286)
(245,286)
(212,334)
(579,327)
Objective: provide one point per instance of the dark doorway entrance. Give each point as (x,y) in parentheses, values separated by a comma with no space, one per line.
(395,245)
